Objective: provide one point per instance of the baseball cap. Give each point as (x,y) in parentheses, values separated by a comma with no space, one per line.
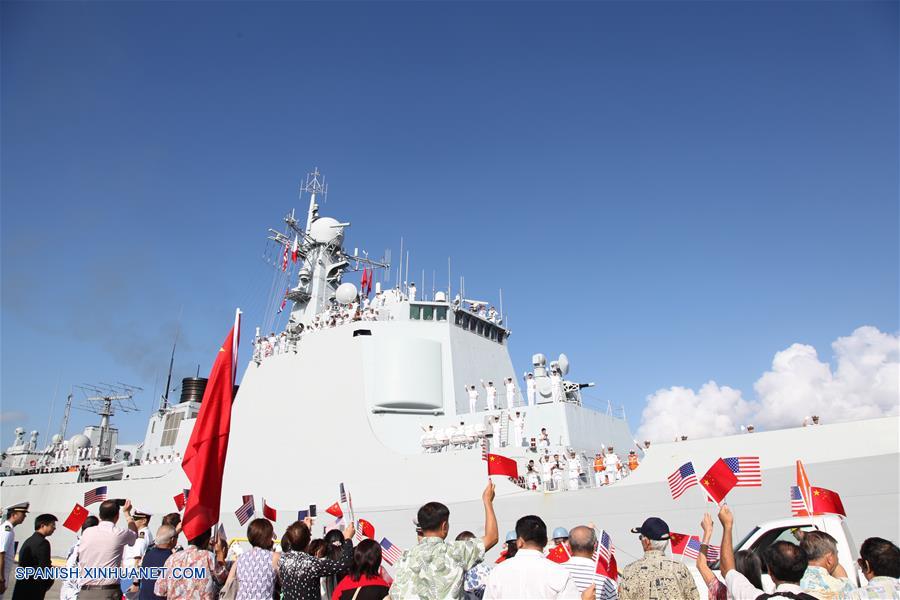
(653,528)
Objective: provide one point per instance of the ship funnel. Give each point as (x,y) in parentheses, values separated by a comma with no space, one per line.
(192,389)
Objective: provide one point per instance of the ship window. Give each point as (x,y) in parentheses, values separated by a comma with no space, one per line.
(441,313)
(459,318)
(494,333)
(415,311)
(170,429)
(480,328)
(427,313)
(472,323)
(500,336)
(152,426)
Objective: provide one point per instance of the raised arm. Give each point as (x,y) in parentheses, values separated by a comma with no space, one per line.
(726,554)
(128,518)
(702,566)
(491,535)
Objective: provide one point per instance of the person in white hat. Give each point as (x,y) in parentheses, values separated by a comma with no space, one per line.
(15,514)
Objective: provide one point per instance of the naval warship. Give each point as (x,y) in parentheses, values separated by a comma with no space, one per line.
(344,391)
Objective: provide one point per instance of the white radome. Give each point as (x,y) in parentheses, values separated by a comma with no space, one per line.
(79,440)
(346,293)
(326,230)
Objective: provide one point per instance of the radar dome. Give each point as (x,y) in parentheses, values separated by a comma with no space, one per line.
(326,230)
(563,364)
(346,293)
(79,440)
(57,438)
(440,297)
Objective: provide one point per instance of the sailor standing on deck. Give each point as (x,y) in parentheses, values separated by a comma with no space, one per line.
(491,394)
(518,423)
(599,470)
(15,514)
(412,292)
(575,470)
(556,385)
(529,388)
(473,397)
(613,466)
(510,392)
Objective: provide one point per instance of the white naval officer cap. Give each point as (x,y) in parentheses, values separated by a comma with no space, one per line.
(20,507)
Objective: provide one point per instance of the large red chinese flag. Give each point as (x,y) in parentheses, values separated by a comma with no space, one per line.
(826,502)
(718,481)
(500,465)
(77,518)
(204,457)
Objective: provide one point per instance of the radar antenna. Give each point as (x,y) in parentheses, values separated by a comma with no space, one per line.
(104,399)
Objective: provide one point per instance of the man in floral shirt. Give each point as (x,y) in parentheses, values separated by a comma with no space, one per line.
(434,569)
(196,555)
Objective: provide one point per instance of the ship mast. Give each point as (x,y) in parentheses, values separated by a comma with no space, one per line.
(103,399)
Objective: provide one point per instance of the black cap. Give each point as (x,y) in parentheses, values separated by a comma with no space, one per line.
(653,528)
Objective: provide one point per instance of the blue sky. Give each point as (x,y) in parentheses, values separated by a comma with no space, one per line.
(669,192)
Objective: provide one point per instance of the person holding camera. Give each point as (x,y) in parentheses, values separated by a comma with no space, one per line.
(102,546)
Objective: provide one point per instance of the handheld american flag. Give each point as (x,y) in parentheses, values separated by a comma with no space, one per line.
(746,469)
(682,479)
(712,555)
(692,550)
(604,547)
(95,495)
(343,494)
(389,552)
(246,510)
(798,507)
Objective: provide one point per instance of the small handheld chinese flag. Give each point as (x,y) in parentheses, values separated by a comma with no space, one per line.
(269,512)
(335,511)
(77,518)
(500,465)
(718,481)
(826,502)
(678,542)
(559,554)
(366,528)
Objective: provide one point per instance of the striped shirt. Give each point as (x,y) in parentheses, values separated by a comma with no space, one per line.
(582,571)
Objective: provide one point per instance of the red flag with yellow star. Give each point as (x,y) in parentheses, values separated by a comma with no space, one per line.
(718,481)
(826,502)
(678,542)
(500,465)
(559,554)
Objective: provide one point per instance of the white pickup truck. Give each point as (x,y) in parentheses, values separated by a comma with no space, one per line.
(766,534)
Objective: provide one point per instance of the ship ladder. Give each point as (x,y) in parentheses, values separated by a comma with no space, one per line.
(504,428)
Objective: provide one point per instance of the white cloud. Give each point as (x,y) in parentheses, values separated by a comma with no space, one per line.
(864,383)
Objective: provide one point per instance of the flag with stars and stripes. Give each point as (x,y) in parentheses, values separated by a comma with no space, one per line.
(389,552)
(246,510)
(798,506)
(692,550)
(343,494)
(746,469)
(683,478)
(95,495)
(712,555)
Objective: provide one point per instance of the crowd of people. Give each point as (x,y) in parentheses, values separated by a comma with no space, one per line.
(332,568)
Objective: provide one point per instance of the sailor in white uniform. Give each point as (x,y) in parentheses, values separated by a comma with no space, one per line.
(529,388)
(473,397)
(491,394)
(510,392)
(492,315)
(546,471)
(15,514)
(613,466)
(428,439)
(556,385)
(518,423)
(134,554)
(575,470)
(495,429)
(412,292)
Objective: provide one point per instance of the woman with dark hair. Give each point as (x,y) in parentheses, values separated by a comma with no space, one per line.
(745,562)
(256,569)
(301,570)
(363,581)
(334,549)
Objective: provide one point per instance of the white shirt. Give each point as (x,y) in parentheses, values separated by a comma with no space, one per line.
(612,462)
(8,548)
(529,575)
(739,587)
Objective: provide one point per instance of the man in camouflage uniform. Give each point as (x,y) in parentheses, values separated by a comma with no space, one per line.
(655,577)
(434,568)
